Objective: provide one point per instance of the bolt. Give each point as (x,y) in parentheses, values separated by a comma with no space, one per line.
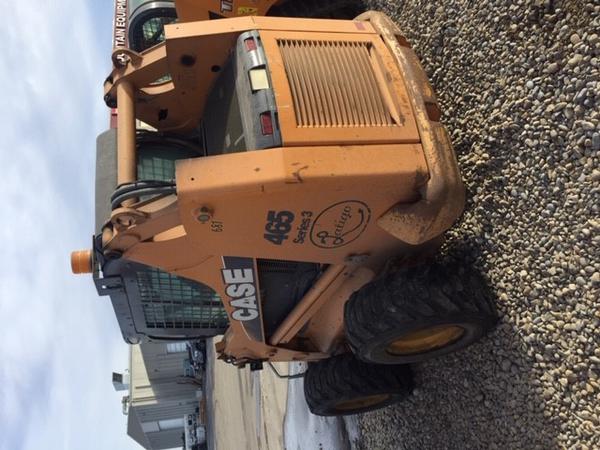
(125,221)
(112,254)
(203,214)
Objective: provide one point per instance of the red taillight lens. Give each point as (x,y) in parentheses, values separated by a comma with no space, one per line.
(250,44)
(266,123)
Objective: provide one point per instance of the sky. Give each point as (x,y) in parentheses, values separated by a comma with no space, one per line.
(59,341)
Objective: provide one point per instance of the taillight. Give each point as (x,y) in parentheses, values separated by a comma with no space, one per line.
(250,44)
(266,123)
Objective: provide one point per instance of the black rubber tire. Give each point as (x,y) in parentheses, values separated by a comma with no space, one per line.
(413,299)
(334,9)
(343,378)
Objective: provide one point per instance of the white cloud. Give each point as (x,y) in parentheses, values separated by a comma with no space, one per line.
(59,341)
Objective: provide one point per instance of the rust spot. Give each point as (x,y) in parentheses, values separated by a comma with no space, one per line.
(402,41)
(433,111)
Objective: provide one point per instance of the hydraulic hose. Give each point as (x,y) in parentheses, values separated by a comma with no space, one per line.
(142,188)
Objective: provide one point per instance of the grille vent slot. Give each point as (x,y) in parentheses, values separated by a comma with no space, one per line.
(333,84)
(276,266)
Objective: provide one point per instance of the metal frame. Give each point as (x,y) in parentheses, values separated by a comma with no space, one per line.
(119,281)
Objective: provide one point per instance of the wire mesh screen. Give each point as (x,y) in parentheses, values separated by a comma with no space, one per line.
(169,301)
(152,32)
(157,156)
(153,167)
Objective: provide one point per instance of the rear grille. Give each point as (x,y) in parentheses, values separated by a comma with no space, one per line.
(333,84)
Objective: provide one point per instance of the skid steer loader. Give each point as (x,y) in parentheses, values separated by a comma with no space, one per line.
(289,176)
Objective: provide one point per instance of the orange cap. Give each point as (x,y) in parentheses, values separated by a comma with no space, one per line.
(81,261)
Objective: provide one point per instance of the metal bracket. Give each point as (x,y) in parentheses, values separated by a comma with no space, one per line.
(288,377)
(109,285)
(121,57)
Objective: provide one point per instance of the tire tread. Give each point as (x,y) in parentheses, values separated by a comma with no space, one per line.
(345,377)
(413,297)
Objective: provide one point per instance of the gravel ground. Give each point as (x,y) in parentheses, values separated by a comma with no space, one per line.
(519,83)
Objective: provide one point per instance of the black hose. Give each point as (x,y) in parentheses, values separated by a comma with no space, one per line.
(135,185)
(149,188)
(149,141)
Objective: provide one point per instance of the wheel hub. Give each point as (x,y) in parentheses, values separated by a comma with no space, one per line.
(425,340)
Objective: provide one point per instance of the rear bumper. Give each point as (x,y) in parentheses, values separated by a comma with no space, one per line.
(443,196)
